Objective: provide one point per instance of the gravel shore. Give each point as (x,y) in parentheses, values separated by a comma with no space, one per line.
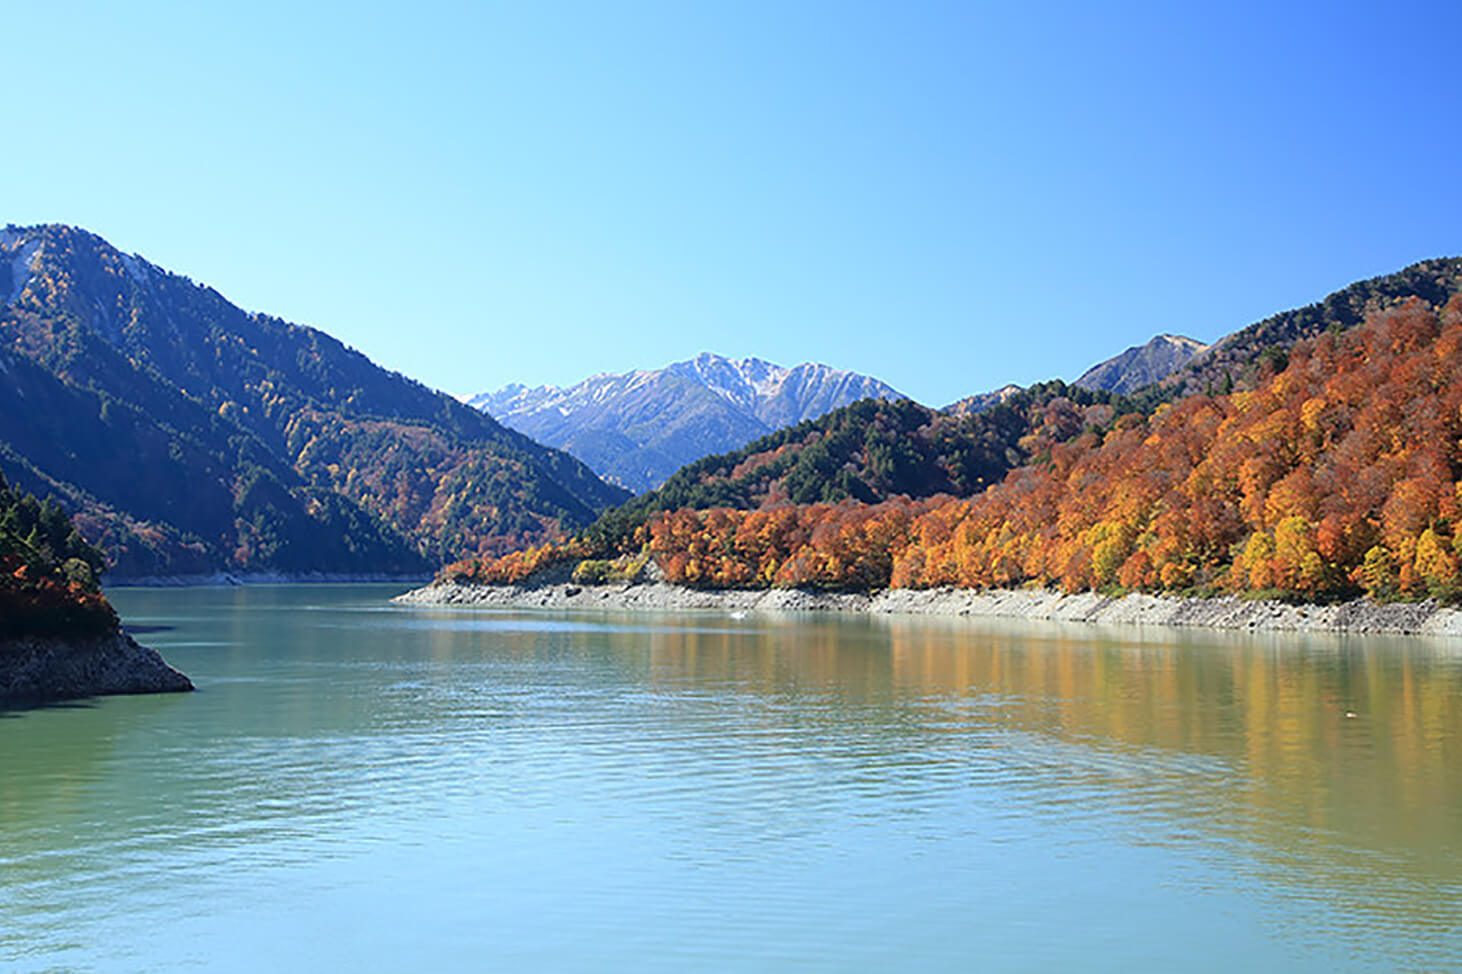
(1226,612)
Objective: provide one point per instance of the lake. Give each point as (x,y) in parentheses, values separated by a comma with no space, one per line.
(376,788)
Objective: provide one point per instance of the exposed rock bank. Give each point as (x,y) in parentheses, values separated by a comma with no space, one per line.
(1227,612)
(37,669)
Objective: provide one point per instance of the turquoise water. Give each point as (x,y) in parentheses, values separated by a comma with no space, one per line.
(363,787)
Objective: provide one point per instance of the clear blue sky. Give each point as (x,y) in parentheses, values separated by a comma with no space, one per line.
(947,196)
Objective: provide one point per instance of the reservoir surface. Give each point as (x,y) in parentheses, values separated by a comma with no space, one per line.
(367,787)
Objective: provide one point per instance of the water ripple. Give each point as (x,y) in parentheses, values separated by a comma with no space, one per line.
(387,789)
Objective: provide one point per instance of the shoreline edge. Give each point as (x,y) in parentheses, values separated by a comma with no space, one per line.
(1218,612)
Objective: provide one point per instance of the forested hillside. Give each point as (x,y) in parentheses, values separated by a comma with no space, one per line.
(1234,361)
(188,435)
(1169,367)
(871,451)
(1336,474)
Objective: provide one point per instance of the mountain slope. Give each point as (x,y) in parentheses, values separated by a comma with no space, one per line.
(1142,365)
(192,435)
(1170,367)
(637,428)
(981,401)
(1337,475)
(876,452)
(1235,360)
(869,452)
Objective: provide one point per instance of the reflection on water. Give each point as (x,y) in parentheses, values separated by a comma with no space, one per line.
(385,787)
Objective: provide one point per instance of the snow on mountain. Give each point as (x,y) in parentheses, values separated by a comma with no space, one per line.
(639,427)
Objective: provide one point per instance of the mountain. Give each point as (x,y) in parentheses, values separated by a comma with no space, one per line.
(869,452)
(981,401)
(1171,366)
(637,428)
(1238,359)
(1136,368)
(872,453)
(187,435)
(1336,475)
(1142,365)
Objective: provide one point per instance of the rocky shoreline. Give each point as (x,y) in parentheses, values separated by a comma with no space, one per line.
(35,669)
(1224,612)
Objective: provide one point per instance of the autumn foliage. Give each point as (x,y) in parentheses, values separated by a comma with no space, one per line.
(516,567)
(47,606)
(48,573)
(1335,476)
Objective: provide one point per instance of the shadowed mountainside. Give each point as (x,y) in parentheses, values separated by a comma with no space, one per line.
(188,435)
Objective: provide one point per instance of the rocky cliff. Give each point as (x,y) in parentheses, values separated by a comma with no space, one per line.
(37,669)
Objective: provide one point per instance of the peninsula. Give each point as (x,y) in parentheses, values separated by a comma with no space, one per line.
(59,636)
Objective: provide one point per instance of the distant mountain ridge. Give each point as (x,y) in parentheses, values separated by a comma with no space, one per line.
(188,436)
(1235,358)
(636,428)
(1168,366)
(1142,365)
(1137,368)
(981,401)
